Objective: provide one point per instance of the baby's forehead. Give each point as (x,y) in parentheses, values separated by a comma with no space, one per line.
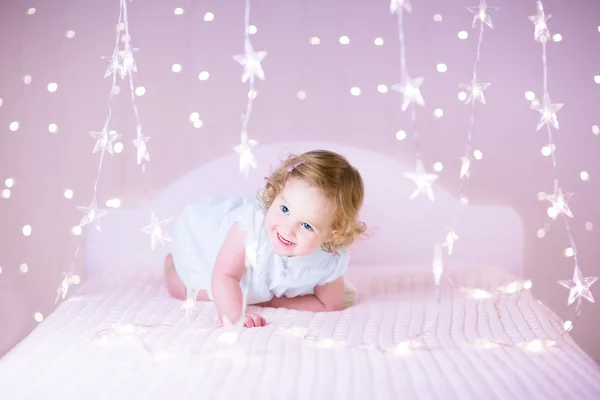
(304,198)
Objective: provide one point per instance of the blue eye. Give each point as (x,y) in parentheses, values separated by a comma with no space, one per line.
(306,226)
(284,209)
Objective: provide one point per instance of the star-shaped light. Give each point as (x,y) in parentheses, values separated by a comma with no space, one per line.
(474,91)
(541,33)
(92,214)
(465,168)
(423,180)
(140,143)
(155,230)
(231,331)
(104,141)
(548,112)
(251,60)
(579,286)
(247,158)
(451,237)
(128,62)
(69,279)
(396,5)
(559,201)
(114,65)
(410,89)
(481,14)
(189,303)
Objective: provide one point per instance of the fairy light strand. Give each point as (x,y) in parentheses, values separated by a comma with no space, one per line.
(474,91)
(155,229)
(252,68)
(410,88)
(578,286)
(127,54)
(251,61)
(104,144)
(402,88)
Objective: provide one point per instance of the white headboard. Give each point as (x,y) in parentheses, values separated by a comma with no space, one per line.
(406,230)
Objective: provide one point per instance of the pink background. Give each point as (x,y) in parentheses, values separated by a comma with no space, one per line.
(512,170)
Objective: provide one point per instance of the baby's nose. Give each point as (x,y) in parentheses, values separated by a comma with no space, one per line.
(288,232)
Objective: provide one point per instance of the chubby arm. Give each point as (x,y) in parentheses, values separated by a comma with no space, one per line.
(228,271)
(328,297)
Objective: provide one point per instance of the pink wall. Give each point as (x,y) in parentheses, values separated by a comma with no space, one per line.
(512,171)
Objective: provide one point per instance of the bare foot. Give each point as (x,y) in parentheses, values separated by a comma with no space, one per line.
(175,287)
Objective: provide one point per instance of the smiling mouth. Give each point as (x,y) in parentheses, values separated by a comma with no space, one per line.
(283,240)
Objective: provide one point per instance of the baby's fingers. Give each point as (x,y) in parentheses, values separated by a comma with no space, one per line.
(261,321)
(254,321)
(248,322)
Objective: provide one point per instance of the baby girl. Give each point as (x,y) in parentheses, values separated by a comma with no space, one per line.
(299,233)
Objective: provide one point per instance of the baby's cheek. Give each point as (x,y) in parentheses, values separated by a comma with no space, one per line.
(311,243)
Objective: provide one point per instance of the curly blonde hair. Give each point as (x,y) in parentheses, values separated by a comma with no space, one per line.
(339,182)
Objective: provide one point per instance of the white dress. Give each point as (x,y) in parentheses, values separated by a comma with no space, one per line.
(201,230)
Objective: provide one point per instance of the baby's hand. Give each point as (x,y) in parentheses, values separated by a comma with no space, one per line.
(253,321)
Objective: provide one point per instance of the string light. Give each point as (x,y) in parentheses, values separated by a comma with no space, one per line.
(579,286)
(252,68)
(122,64)
(473,93)
(410,88)
(251,61)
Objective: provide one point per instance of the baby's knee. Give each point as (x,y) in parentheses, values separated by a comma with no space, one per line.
(174,285)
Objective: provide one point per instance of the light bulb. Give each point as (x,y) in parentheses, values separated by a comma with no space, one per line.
(541,233)
(400,135)
(27,230)
(529,95)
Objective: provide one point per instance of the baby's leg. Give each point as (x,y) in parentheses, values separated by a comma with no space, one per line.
(175,287)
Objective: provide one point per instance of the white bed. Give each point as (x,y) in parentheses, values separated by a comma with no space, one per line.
(398,342)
